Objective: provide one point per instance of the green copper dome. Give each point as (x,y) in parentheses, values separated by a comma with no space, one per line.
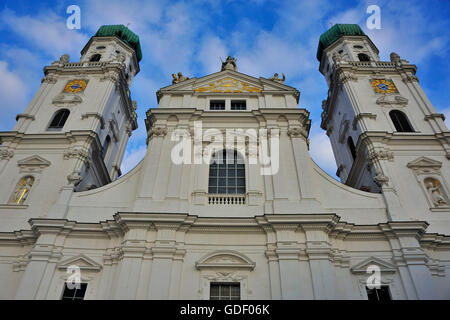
(124,34)
(334,33)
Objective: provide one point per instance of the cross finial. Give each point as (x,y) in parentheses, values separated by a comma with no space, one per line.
(330,23)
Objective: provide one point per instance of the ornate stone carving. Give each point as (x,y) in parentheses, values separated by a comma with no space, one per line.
(229,64)
(178,79)
(392,100)
(158,131)
(6,153)
(383,154)
(77,153)
(424,165)
(110,76)
(74,178)
(277,79)
(343,129)
(436,192)
(65,58)
(409,78)
(380,179)
(67,99)
(297,132)
(49,79)
(33,164)
(395,58)
(347,76)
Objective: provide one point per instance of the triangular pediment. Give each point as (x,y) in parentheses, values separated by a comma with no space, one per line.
(81,261)
(228,81)
(424,162)
(225,259)
(33,161)
(363,266)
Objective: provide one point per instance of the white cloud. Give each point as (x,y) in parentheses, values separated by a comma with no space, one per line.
(211,49)
(47,32)
(132,158)
(13,92)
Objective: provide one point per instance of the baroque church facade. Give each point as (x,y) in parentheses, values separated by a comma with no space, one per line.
(226,229)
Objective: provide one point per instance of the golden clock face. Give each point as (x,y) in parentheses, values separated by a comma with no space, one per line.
(75,86)
(383,86)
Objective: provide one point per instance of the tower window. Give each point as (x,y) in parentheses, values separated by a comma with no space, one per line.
(363,57)
(76,293)
(96,57)
(227,173)
(22,190)
(217,105)
(225,291)
(59,119)
(351,147)
(358,47)
(400,121)
(238,105)
(380,294)
(105,148)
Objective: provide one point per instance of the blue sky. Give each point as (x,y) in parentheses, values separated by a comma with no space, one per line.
(190,36)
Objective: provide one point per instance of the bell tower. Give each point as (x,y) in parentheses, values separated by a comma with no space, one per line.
(379,120)
(75,130)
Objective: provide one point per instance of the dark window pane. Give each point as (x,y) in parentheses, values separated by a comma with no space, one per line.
(240,173)
(59,119)
(241,190)
(74,293)
(380,294)
(231,182)
(241,182)
(222,173)
(238,105)
(400,121)
(222,182)
(212,181)
(212,189)
(217,105)
(231,190)
(213,172)
(222,190)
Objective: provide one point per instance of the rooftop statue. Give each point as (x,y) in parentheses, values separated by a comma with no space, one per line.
(178,79)
(276,78)
(229,64)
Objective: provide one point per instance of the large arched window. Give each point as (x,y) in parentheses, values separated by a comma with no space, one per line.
(227,173)
(351,147)
(363,57)
(96,57)
(400,121)
(105,148)
(59,119)
(22,190)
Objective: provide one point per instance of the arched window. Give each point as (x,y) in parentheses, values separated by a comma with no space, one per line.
(22,190)
(96,57)
(105,148)
(227,173)
(363,57)
(59,119)
(351,147)
(400,121)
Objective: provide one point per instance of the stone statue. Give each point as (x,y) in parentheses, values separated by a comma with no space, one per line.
(276,78)
(64,58)
(336,58)
(229,64)
(22,191)
(435,194)
(395,57)
(178,79)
